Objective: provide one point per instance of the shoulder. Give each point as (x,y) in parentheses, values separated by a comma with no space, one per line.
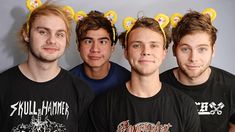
(118,67)
(78,83)
(168,76)
(177,96)
(119,71)
(9,73)
(222,76)
(77,69)
(167,73)
(112,95)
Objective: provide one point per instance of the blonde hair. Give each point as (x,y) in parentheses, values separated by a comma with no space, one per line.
(46,9)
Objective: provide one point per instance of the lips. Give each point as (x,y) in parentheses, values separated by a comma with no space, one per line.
(94,57)
(146,61)
(192,67)
(50,49)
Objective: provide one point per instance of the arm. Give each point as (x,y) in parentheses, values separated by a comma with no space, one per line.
(98,115)
(231,127)
(232,123)
(192,120)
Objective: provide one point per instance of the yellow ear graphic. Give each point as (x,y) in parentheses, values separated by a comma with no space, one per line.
(111,16)
(79,15)
(162,19)
(175,18)
(32,4)
(211,12)
(69,10)
(128,22)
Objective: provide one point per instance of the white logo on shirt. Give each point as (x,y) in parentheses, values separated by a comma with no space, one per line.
(206,108)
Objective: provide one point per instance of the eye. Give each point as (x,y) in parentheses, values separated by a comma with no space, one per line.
(103,42)
(136,45)
(42,32)
(154,45)
(202,50)
(87,41)
(185,50)
(60,35)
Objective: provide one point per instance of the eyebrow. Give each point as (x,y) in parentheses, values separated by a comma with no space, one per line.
(152,42)
(45,28)
(185,44)
(102,38)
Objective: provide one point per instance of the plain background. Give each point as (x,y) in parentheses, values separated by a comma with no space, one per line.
(13,14)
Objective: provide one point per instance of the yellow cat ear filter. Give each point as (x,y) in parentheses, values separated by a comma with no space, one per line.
(69,10)
(33,4)
(79,15)
(111,16)
(128,22)
(211,12)
(162,19)
(175,18)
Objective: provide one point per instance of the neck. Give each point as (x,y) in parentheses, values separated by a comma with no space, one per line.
(39,71)
(144,86)
(97,72)
(192,81)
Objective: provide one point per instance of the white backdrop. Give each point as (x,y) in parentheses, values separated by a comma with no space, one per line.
(13,14)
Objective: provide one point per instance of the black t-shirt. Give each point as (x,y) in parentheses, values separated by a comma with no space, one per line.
(60,104)
(215,99)
(168,110)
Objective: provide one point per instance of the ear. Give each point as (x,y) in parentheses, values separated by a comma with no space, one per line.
(173,49)
(26,36)
(165,53)
(125,53)
(78,46)
(213,50)
(113,48)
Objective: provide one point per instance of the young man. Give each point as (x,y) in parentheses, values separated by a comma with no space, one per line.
(96,39)
(38,95)
(211,88)
(144,104)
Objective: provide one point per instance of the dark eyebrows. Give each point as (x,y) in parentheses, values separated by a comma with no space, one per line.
(102,38)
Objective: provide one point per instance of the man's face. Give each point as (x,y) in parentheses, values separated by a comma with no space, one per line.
(95,48)
(47,39)
(145,51)
(194,54)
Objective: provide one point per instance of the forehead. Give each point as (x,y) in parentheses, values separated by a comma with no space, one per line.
(145,35)
(97,33)
(196,39)
(50,21)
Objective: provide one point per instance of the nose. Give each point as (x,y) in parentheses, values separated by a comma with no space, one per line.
(193,56)
(95,47)
(51,39)
(145,50)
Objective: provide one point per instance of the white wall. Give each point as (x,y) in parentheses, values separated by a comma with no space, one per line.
(13,14)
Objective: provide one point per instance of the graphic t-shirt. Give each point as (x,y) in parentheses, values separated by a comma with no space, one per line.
(58,105)
(215,99)
(168,111)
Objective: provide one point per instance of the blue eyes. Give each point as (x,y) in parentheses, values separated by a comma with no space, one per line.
(199,50)
(46,33)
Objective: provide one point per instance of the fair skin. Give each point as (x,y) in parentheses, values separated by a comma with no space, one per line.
(232,127)
(145,54)
(194,54)
(95,50)
(47,42)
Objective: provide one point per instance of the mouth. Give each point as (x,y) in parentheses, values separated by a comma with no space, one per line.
(50,49)
(192,67)
(94,57)
(146,61)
